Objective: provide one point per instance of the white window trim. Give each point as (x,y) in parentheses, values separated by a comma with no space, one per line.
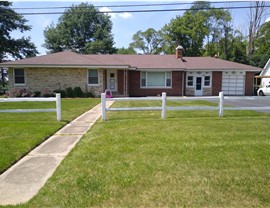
(209,80)
(98,84)
(19,84)
(155,87)
(192,81)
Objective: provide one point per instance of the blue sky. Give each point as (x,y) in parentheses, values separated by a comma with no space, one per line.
(125,25)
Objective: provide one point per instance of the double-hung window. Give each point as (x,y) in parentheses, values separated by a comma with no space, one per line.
(190,81)
(93,77)
(19,77)
(156,79)
(207,81)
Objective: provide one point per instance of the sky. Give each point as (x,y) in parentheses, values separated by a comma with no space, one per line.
(125,25)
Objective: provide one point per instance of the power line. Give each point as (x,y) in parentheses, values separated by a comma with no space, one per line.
(131,5)
(144,11)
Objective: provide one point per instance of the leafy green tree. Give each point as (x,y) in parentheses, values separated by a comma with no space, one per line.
(83,29)
(188,30)
(148,42)
(11,21)
(10,47)
(262,45)
(201,24)
(128,50)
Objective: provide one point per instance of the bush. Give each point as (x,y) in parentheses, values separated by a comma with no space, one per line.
(62,92)
(36,94)
(89,94)
(78,92)
(48,95)
(69,92)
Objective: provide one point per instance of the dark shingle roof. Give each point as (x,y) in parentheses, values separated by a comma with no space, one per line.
(71,59)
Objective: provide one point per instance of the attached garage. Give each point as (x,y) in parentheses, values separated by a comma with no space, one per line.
(233,82)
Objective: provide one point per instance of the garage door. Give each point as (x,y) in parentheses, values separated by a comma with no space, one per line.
(233,83)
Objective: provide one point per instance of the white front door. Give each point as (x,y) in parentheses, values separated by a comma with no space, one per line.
(198,86)
(112,80)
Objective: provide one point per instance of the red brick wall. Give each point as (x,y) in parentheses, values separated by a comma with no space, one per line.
(249,85)
(120,81)
(216,83)
(136,91)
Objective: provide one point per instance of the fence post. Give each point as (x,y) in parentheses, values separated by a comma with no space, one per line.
(163,111)
(103,106)
(221,103)
(58,107)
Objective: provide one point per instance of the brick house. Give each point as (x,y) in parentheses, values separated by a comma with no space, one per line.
(132,75)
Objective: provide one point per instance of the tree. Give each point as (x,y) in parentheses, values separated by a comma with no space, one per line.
(255,19)
(262,45)
(148,41)
(12,21)
(83,29)
(219,26)
(10,47)
(190,30)
(128,50)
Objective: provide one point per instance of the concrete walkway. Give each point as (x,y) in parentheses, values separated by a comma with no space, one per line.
(24,179)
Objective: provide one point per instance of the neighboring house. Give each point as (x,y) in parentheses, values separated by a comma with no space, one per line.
(132,75)
(265,75)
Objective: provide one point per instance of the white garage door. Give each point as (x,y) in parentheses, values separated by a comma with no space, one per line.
(233,83)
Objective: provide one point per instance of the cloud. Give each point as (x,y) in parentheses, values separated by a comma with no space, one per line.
(106,9)
(267,19)
(124,15)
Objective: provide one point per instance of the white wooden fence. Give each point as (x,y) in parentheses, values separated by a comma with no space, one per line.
(56,99)
(163,108)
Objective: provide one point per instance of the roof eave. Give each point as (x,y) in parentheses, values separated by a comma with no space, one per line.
(160,69)
(224,69)
(64,66)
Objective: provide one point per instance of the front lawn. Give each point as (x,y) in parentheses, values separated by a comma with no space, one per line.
(21,132)
(189,159)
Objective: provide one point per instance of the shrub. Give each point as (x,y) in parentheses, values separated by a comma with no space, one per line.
(48,95)
(20,93)
(36,94)
(69,92)
(89,94)
(78,92)
(62,92)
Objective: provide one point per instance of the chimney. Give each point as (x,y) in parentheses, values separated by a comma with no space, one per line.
(179,52)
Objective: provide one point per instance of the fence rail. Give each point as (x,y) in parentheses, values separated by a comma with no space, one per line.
(163,108)
(56,99)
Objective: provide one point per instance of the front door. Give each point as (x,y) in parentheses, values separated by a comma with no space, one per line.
(112,80)
(198,87)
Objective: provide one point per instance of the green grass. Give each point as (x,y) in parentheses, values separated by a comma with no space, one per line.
(189,159)
(21,132)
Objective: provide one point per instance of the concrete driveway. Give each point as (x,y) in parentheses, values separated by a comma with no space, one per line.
(256,101)
(246,101)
